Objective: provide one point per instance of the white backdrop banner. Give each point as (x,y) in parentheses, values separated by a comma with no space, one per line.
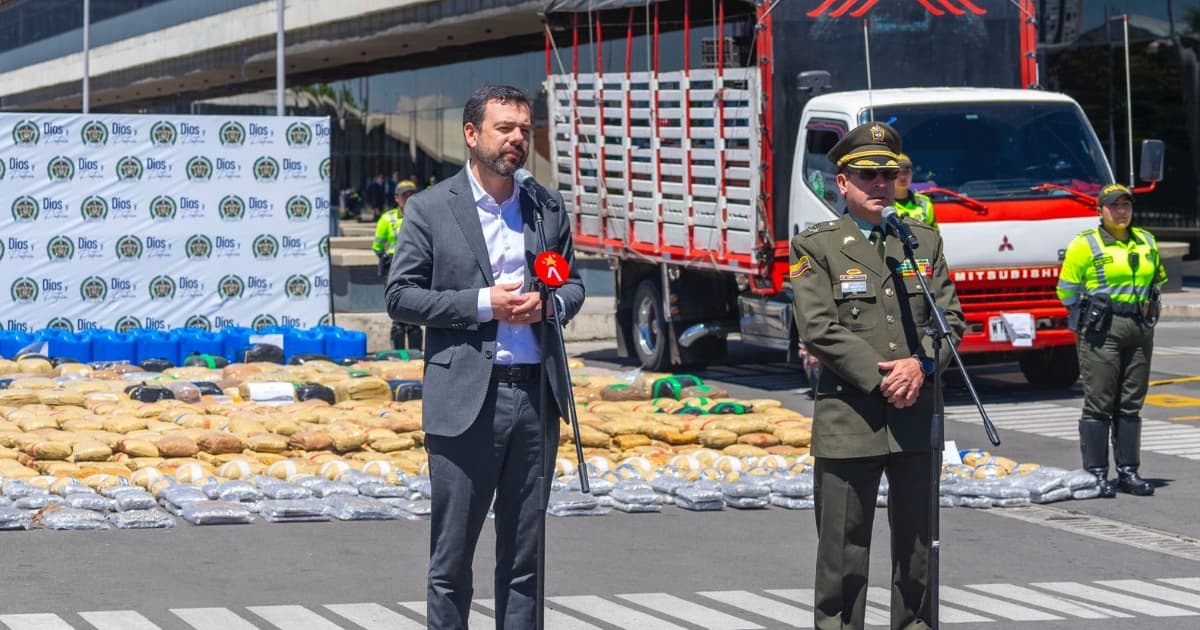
(128,221)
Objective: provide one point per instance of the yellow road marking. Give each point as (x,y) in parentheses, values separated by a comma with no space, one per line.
(1172,400)
(1185,418)
(1172,381)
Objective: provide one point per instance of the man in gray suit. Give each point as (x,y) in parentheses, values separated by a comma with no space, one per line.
(463,269)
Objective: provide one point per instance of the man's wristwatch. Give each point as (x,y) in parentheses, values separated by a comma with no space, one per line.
(927,365)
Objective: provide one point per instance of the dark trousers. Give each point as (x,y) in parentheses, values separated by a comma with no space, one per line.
(845,491)
(498,454)
(1115,369)
(406,336)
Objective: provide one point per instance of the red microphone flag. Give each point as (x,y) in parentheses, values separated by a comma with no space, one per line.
(552,269)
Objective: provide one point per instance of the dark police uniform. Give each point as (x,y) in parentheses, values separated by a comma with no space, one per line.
(854,310)
(1110,288)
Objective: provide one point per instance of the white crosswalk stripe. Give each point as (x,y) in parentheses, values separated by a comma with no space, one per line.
(1123,603)
(1174,351)
(1061,421)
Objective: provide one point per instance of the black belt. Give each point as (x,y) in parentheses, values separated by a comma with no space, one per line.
(516,373)
(1124,309)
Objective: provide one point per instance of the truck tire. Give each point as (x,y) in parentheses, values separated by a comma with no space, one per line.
(648,327)
(1051,368)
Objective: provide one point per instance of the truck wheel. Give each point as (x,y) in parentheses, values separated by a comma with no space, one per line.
(1051,368)
(649,328)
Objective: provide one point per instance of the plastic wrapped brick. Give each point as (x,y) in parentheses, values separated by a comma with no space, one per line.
(745,489)
(359,508)
(292,510)
(358,479)
(597,484)
(575,504)
(37,501)
(700,492)
(328,488)
(977,502)
(635,493)
(217,513)
(666,484)
(1080,479)
(633,508)
(141,519)
(177,497)
(16,488)
(382,490)
(791,503)
(1057,494)
(70,519)
(421,485)
(747,503)
(283,490)
(12,518)
(948,500)
(85,501)
(418,510)
(237,491)
(1003,488)
(136,499)
(1013,502)
(800,486)
(699,506)
(1086,493)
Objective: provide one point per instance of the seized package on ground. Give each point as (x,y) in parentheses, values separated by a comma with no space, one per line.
(217,513)
(293,510)
(575,504)
(629,495)
(359,508)
(142,519)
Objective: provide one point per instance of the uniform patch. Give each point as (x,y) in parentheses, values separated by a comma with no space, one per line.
(906,270)
(847,239)
(853,282)
(800,267)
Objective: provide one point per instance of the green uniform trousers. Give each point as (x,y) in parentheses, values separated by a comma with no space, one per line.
(845,491)
(1115,367)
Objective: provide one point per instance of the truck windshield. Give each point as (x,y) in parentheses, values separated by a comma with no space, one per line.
(998,150)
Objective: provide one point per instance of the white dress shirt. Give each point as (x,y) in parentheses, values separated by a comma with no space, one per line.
(503,232)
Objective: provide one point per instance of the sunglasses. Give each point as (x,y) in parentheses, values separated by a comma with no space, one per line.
(869,174)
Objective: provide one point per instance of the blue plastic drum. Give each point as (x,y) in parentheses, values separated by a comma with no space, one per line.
(349,343)
(113,346)
(236,340)
(155,344)
(200,341)
(65,344)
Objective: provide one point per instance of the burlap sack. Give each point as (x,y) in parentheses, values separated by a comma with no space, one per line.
(90,451)
(218,443)
(177,445)
(138,448)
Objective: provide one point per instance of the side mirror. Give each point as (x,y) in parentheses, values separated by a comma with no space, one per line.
(814,82)
(1152,161)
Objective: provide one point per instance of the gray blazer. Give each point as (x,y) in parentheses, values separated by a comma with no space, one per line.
(441,262)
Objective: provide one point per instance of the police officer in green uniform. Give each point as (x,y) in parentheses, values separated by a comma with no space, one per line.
(860,310)
(1109,281)
(909,203)
(387,231)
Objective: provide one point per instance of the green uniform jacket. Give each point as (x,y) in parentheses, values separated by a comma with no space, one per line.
(853,311)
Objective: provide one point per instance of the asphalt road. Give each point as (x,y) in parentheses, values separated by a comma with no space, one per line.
(1071,565)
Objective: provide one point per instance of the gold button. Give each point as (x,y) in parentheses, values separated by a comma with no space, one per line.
(890,319)
(888,291)
(892,346)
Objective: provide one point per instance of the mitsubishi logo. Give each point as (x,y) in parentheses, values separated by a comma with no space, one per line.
(954,7)
(1005,245)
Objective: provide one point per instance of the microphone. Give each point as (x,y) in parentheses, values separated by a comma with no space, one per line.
(551,268)
(541,197)
(892,218)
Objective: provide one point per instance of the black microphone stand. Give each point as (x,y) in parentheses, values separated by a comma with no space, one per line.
(939,330)
(550,300)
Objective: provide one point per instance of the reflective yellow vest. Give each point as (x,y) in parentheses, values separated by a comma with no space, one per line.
(1096,263)
(917,206)
(387,230)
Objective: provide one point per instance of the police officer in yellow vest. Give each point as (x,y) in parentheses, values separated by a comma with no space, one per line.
(387,230)
(860,311)
(909,203)
(1110,281)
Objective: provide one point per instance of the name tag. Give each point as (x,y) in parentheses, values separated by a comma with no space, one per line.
(854,287)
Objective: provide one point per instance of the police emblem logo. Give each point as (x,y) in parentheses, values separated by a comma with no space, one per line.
(265,247)
(298,208)
(163,208)
(232,208)
(26,133)
(25,209)
(3,169)
(323,247)
(266,169)
(60,323)
(325,169)
(162,288)
(877,133)
(127,323)
(263,321)
(297,287)
(60,248)
(198,246)
(198,321)
(1,250)
(60,169)
(93,289)
(129,167)
(199,168)
(129,247)
(163,134)
(232,133)
(230,286)
(299,134)
(24,290)
(94,208)
(94,134)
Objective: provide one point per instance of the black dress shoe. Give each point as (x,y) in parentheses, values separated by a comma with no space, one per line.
(1130,483)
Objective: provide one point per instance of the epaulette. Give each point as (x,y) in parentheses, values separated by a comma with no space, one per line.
(820,227)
